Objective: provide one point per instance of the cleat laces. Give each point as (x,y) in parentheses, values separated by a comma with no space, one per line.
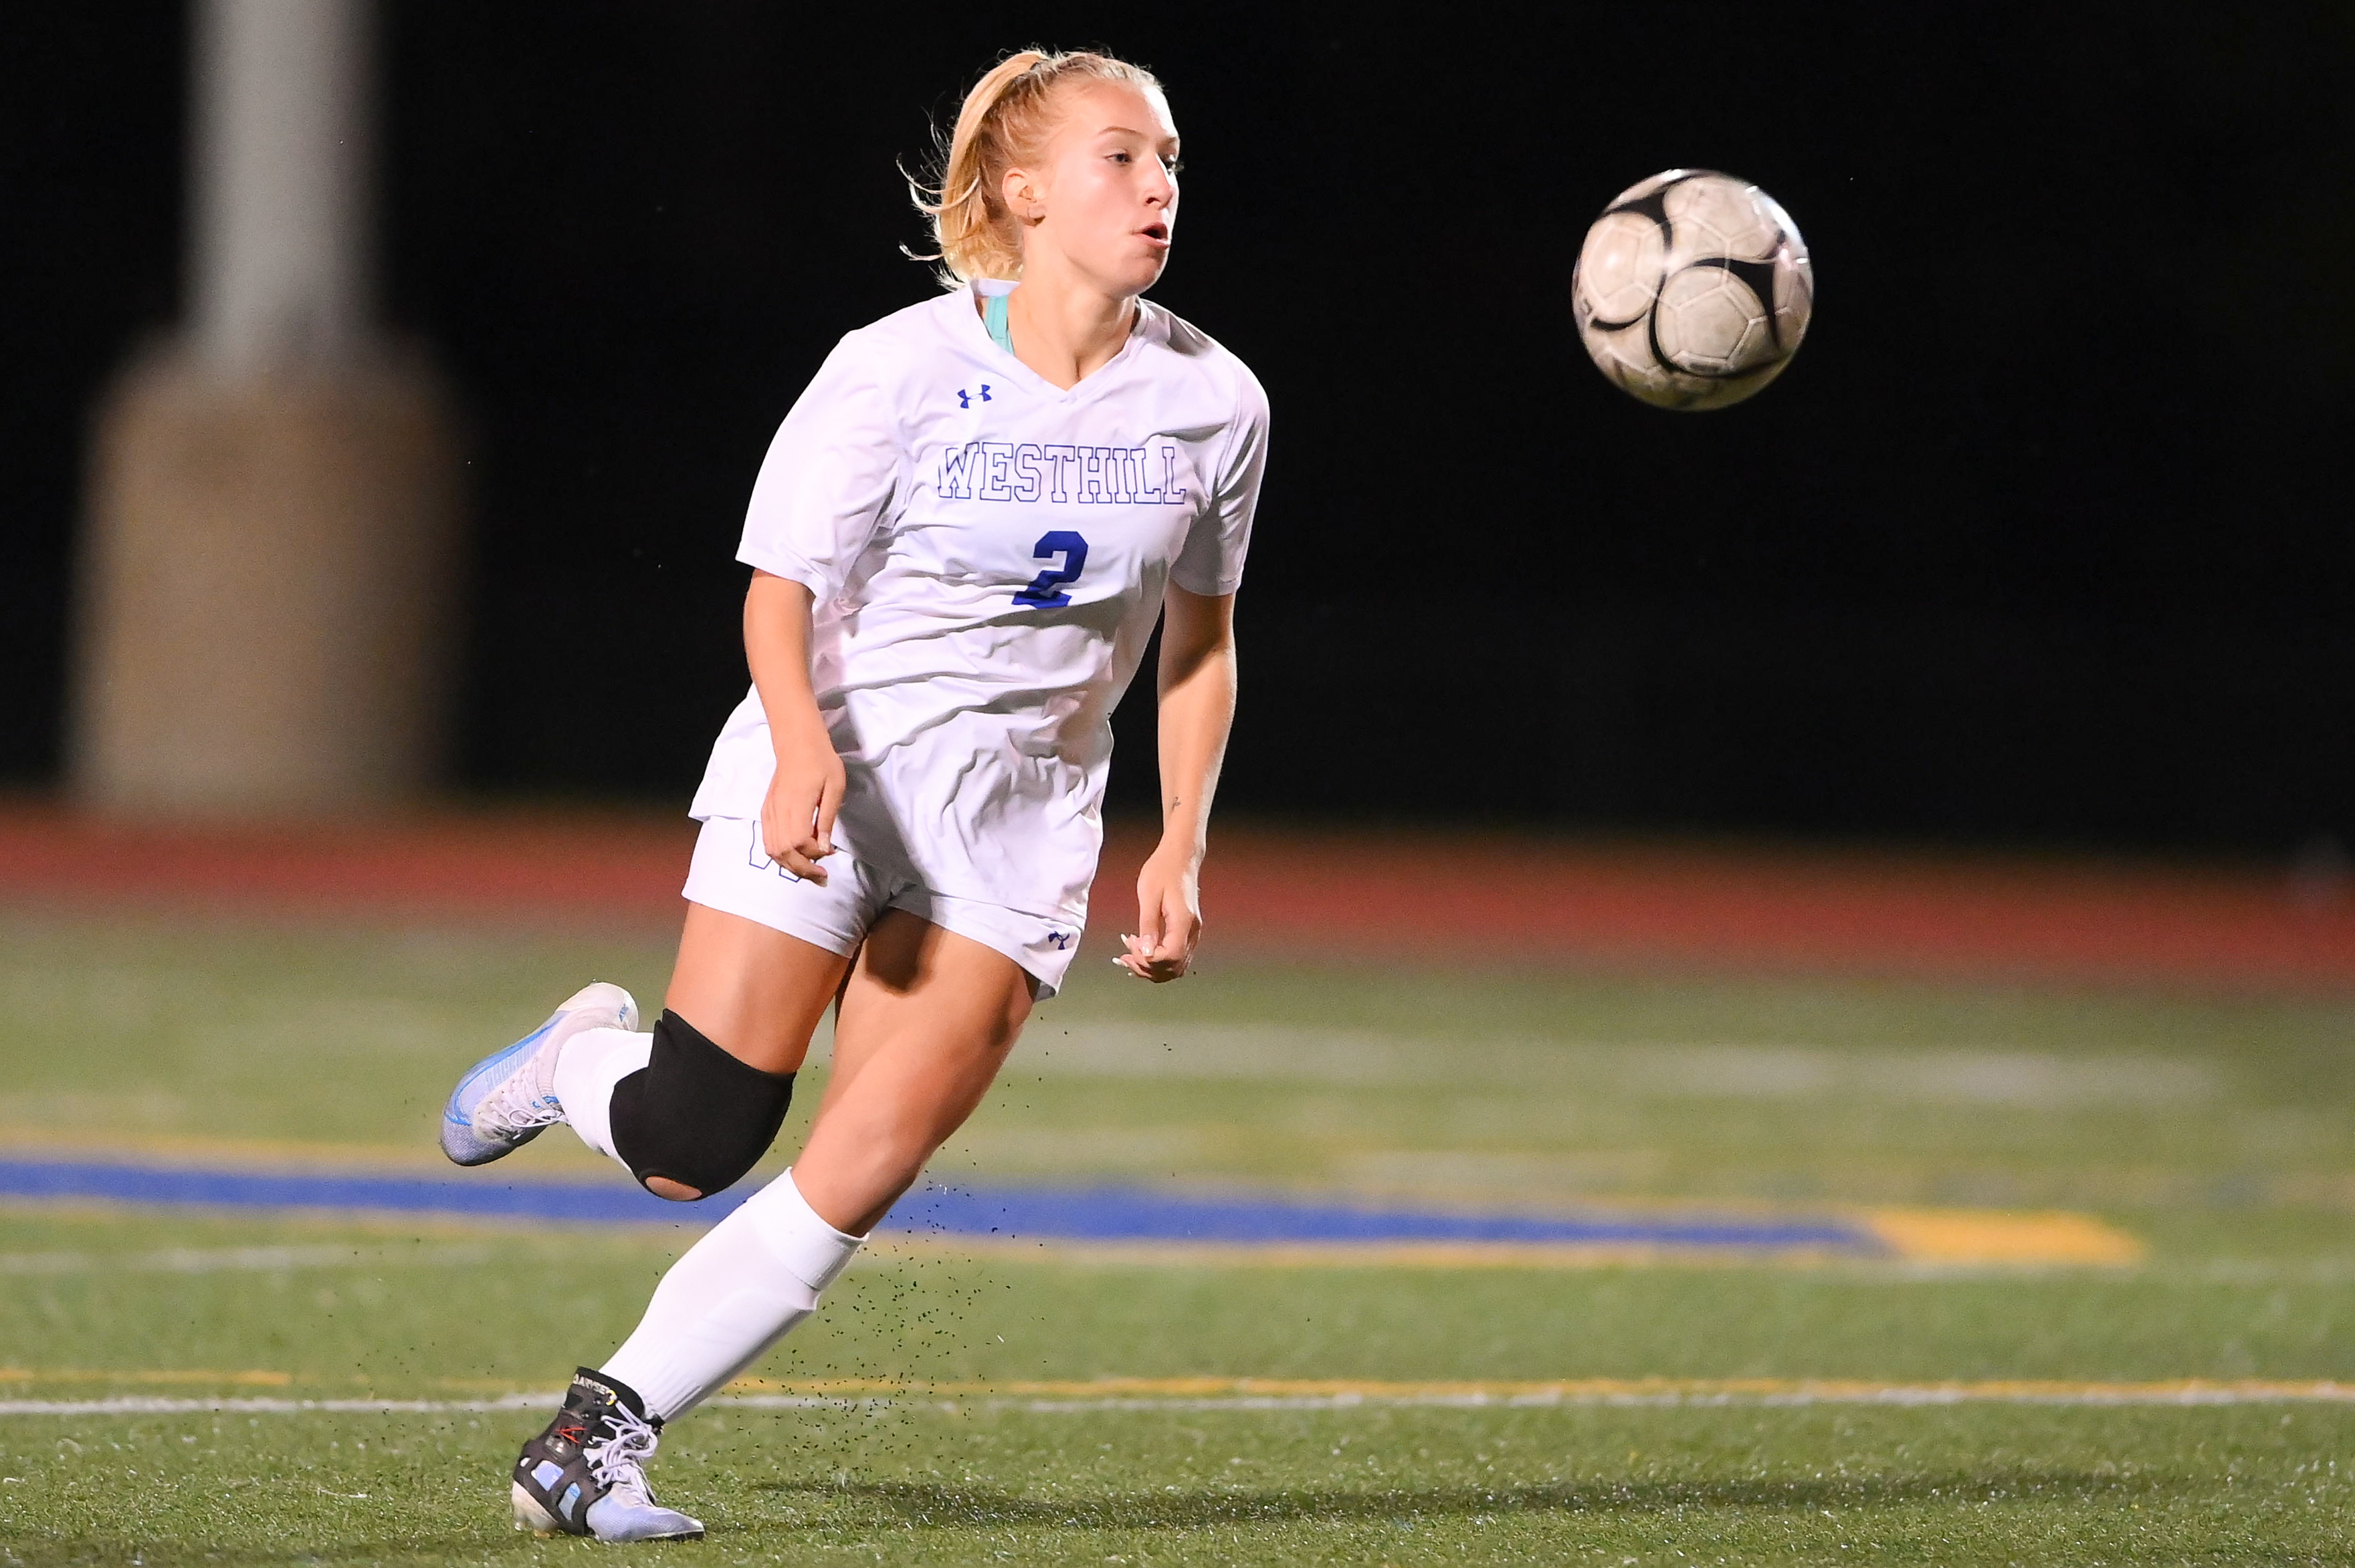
(618,1464)
(515,1107)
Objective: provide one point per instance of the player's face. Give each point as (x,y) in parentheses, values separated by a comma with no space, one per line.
(1106,196)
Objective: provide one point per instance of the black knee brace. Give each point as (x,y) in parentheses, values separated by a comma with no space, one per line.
(695,1114)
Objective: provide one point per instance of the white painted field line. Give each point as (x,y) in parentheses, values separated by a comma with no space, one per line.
(1908,1397)
(1762,1394)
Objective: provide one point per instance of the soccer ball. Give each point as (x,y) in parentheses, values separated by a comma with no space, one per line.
(1692,290)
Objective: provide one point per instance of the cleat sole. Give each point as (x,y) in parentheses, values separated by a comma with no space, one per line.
(483,1153)
(530,1515)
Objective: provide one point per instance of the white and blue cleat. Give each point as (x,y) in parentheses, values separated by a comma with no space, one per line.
(585,1473)
(504,1100)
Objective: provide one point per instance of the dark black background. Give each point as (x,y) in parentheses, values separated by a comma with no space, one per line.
(2040,539)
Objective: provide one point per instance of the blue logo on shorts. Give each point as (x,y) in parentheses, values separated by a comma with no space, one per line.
(1062,939)
(760,859)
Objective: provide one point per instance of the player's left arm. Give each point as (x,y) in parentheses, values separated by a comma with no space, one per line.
(1198,709)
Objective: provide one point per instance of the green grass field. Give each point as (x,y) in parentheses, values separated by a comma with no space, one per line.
(2215,1128)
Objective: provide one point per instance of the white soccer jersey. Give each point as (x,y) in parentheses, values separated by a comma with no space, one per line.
(988,553)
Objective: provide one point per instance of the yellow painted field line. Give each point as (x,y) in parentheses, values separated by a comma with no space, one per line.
(2002,1236)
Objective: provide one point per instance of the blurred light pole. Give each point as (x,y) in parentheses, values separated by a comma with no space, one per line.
(266,568)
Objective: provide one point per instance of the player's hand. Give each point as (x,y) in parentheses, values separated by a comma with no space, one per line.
(797,817)
(1168,918)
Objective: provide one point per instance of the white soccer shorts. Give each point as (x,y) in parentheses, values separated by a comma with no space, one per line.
(733,873)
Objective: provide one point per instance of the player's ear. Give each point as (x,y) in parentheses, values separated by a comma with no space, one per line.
(1020,192)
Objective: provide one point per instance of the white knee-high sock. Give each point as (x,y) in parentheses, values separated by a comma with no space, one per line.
(592,1062)
(734,1295)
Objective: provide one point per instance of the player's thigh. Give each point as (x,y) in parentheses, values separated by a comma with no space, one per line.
(751,990)
(931,1013)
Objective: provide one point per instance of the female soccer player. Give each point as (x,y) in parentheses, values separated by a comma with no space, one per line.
(961,539)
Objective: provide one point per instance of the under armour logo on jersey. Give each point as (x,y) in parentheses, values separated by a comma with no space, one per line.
(964,399)
(1062,939)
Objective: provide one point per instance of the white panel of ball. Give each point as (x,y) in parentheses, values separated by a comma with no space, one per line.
(1692,290)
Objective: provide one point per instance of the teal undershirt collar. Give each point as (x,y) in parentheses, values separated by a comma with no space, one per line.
(993,316)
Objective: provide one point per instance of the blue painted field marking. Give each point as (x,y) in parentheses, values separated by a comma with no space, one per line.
(338,1190)
(1134,1214)
(1039,1214)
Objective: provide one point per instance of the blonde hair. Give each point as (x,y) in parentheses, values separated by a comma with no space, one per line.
(1006,121)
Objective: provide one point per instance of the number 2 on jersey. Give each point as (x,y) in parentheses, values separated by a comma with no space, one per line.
(1046,589)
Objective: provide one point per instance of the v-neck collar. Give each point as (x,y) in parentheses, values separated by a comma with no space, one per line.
(967,304)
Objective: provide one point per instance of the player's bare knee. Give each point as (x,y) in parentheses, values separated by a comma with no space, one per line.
(694,1119)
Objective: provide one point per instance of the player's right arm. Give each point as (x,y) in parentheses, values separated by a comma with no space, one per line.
(797,817)
(822,491)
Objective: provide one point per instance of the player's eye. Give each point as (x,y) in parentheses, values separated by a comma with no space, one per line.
(1172,164)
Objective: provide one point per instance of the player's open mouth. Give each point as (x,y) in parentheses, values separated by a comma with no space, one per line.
(1156,232)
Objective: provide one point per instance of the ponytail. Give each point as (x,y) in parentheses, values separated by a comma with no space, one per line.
(1005,120)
